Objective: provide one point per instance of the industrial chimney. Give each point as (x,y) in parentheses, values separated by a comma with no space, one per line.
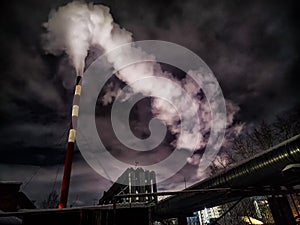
(71,144)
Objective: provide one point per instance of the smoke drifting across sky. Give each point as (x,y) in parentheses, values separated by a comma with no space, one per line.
(251,46)
(76,27)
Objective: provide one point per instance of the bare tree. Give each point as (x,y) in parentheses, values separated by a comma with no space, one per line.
(267,135)
(51,201)
(264,136)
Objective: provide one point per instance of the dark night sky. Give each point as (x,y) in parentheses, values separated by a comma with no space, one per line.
(251,46)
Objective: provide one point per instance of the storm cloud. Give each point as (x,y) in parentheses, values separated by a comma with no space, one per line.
(251,46)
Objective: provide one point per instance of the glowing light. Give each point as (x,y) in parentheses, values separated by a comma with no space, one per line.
(251,220)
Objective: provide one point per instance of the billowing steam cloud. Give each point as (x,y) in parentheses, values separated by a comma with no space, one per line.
(76,27)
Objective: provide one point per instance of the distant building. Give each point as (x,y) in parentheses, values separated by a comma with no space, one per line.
(207,215)
(132,181)
(253,210)
(193,220)
(262,209)
(11,199)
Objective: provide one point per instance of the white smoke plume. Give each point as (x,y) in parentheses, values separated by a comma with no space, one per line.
(77,26)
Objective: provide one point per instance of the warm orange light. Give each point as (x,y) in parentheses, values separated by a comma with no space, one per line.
(251,220)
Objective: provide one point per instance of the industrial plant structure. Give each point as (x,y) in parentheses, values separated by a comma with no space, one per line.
(132,181)
(273,173)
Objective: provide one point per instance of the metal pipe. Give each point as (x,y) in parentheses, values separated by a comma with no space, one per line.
(256,171)
(258,168)
(70,146)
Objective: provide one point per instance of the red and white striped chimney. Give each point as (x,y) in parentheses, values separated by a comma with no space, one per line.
(71,144)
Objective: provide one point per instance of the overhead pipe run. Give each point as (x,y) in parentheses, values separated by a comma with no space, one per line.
(263,169)
(258,168)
